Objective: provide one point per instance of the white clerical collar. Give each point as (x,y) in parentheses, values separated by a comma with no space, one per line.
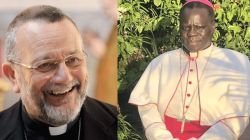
(54,131)
(203,53)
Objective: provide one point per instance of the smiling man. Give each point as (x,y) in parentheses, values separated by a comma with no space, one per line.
(46,62)
(199,91)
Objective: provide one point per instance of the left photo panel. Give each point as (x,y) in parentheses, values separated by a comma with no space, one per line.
(58,77)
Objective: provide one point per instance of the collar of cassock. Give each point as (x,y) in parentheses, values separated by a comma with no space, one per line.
(202,53)
(45,129)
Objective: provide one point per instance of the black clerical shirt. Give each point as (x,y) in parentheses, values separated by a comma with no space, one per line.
(98,122)
(36,130)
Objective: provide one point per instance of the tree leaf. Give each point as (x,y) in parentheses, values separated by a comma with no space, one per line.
(157,2)
(230,16)
(140,29)
(247,36)
(234,28)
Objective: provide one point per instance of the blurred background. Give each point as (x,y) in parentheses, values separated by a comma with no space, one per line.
(96,19)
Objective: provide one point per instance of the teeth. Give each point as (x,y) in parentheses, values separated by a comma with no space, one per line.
(59,92)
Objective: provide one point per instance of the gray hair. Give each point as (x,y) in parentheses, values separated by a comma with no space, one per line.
(45,13)
(10,41)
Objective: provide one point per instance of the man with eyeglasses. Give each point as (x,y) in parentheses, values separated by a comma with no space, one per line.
(199,91)
(46,63)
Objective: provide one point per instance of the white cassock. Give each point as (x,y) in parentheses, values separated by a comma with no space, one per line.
(212,86)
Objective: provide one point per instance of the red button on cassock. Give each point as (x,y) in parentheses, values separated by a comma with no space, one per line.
(192,59)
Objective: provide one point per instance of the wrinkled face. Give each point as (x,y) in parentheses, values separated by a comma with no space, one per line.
(196,29)
(53,91)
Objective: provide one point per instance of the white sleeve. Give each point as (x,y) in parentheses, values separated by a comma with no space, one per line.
(155,128)
(227,129)
(147,88)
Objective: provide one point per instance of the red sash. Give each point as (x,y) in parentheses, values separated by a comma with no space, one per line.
(192,128)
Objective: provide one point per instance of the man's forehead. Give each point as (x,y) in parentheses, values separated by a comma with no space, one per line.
(198,14)
(42,37)
(40,27)
(196,10)
(42,32)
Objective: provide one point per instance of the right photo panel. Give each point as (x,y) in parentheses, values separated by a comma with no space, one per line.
(183,69)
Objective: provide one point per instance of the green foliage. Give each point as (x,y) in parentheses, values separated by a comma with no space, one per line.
(125,130)
(233,20)
(148,28)
(145,27)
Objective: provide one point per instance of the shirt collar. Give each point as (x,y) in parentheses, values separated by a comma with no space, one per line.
(45,129)
(58,130)
(202,53)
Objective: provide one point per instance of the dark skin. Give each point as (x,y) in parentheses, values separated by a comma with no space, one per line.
(196,29)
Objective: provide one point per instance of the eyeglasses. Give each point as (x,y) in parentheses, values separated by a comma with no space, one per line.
(197,28)
(49,65)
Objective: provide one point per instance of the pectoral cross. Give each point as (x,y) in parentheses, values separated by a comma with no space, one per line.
(183,121)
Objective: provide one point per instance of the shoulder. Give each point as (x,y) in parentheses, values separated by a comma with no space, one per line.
(231,59)
(94,106)
(165,58)
(10,120)
(9,114)
(232,55)
(100,117)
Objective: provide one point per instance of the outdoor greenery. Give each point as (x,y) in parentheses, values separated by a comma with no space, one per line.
(125,130)
(148,28)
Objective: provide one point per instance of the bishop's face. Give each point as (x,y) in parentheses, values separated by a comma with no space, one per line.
(196,29)
(53,90)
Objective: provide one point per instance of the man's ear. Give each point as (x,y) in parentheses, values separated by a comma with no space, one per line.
(213,26)
(9,72)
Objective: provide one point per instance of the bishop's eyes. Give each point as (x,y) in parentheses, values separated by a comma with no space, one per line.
(71,62)
(46,66)
(189,28)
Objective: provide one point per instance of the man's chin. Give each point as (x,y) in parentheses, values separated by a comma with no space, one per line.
(59,115)
(193,47)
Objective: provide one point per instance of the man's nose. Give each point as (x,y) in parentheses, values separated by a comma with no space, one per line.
(192,31)
(62,74)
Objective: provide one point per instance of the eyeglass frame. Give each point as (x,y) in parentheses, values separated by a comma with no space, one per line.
(35,67)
